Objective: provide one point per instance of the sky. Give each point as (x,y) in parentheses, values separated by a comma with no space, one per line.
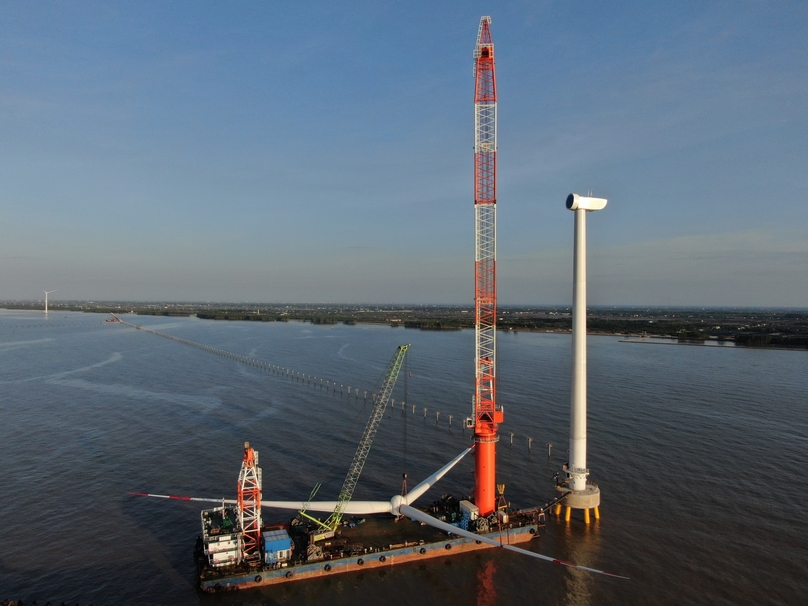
(323,151)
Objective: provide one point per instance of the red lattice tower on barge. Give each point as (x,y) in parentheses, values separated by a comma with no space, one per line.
(249,504)
(487,415)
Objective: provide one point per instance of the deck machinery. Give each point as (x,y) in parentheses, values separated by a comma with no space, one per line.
(283,553)
(231,533)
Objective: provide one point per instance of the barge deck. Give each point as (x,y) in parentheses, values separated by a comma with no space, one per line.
(360,545)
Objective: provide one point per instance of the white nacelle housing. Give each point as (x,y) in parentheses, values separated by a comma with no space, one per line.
(574,202)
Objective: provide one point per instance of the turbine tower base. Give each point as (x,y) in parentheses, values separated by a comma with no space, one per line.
(586,499)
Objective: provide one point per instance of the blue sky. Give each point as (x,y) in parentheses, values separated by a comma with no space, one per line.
(322,151)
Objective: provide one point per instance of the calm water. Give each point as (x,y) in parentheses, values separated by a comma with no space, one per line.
(700,453)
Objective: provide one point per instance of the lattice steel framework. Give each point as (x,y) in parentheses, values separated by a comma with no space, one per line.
(487,415)
(249,503)
(361,454)
(380,399)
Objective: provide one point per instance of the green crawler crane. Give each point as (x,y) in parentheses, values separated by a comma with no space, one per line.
(327,528)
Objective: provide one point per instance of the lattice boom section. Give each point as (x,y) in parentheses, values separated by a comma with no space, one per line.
(485,305)
(485,148)
(485,198)
(485,178)
(485,220)
(249,501)
(485,127)
(485,117)
(361,454)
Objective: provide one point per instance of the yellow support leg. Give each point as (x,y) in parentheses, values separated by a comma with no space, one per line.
(597,513)
(567,514)
(558,509)
(586,516)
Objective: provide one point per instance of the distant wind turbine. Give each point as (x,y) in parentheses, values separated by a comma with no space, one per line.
(47,292)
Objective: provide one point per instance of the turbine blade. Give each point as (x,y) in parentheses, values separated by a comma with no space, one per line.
(431,480)
(178,498)
(367,507)
(350,508)
(417,514)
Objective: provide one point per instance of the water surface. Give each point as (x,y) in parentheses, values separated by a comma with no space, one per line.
(700,454)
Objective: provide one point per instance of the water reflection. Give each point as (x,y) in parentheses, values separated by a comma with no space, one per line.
(584,543)
(486,591)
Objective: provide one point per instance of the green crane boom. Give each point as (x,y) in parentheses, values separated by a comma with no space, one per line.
(381,398)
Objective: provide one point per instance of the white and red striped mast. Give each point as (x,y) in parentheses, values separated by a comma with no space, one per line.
(487,415)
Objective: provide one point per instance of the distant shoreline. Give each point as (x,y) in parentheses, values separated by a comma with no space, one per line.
(753,328)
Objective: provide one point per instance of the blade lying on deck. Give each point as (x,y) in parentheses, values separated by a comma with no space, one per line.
(420,516)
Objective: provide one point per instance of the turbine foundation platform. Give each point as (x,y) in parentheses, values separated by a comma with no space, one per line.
(587,499)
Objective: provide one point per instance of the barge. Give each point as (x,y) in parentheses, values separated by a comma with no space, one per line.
(359,544)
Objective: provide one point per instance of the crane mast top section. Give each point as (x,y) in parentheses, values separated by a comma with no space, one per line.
(485,100)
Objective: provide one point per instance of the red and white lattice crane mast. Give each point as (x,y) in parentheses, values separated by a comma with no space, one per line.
(249,504)
(487,415)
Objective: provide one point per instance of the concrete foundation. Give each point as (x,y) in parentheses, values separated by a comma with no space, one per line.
(581,499)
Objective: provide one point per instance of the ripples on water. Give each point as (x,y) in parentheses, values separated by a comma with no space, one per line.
(700,453)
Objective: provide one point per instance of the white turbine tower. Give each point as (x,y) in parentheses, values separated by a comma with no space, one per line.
(47,292)
(580,493)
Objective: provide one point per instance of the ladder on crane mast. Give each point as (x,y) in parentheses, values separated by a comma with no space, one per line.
(327,528)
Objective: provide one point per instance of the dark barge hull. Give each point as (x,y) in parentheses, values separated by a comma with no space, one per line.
(376,559)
